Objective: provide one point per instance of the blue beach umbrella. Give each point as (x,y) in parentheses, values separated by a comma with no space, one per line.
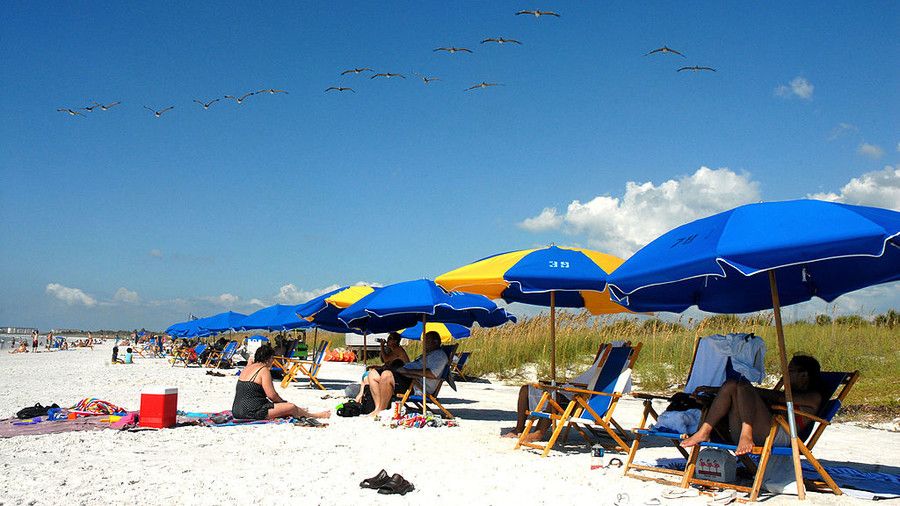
(221,322)
(406,304)
(277,317)
(764,256)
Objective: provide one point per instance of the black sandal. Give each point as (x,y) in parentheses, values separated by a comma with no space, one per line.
(376,481)
(396,485)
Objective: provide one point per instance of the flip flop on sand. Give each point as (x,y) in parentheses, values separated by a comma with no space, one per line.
(723,497)
(305,421)
(653,501)
(680,493)
(376,481)
(396,485)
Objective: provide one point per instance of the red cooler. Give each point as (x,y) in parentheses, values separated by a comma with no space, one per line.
(158,407)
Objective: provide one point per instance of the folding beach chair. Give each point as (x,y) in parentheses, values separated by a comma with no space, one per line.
(588,409)
(650,415)
(189,356)
(835,387)
(309,368)
(459,363)
(418,401)
(217,358)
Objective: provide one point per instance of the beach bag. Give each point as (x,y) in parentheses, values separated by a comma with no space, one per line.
(368,402)
(349,409)
(34,411)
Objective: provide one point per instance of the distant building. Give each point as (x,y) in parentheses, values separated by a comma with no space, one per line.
(18,331)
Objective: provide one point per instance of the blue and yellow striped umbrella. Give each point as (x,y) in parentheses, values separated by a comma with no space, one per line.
(553,276)
(447,331)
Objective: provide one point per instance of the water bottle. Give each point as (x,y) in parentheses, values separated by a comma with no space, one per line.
(597,452)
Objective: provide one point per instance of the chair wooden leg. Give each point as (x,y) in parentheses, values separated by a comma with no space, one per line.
(689,468)
(440,406)
(528,425)
(820,469)
(763,462)
(563,421)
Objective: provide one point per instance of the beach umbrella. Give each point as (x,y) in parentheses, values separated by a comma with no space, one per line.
(322,311)
(447,331)
(221,322)
(277,317)
(764,256)
(403,305)
(553,276)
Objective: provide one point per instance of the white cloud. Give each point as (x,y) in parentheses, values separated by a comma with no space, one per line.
(879,189)
(290,294)
(125,295)
(798,87)
(620,226)
(547,220)
(257,302)
(842,129)
(155,253)
(225,300)
(70,296)
(870,150)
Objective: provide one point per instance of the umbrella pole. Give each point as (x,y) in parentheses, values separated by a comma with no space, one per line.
(365,348)
(424,368)
(315,344)
(553,337)
(788,395)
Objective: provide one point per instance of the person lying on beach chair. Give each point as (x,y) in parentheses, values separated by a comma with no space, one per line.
(255,397)
(393,356)
(385,384)
(747,407)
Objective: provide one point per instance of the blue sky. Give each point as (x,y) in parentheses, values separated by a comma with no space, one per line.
(284,195)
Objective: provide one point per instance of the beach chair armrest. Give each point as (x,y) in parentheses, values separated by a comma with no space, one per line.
(647,396)
(798,412)
(588,392)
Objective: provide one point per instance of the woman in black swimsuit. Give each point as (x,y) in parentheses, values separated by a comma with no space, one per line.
(255,396)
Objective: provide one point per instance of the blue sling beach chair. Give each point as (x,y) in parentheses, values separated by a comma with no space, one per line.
(309,368)
(218,358)
(588,408)
(189,356)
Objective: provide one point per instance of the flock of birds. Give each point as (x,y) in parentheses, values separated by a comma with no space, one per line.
(206,104)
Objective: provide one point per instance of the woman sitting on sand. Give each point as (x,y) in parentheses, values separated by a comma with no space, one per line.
(747,407)
(255,397)
(23,348)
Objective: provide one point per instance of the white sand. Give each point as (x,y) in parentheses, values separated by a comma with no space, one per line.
(272,464)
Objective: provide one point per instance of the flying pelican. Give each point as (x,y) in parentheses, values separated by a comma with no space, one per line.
(272,91)
(453,50)
(160,112)
(482,85)
(427,79)
(665,49)
(240,99)
(339,88)
(356,71)
(501,40)
(108,106)
(388,75)
(207,104)
(696,69)
(70,112)
(91,107)
(538,14)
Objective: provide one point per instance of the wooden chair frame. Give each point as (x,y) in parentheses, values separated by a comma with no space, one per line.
(216,357)
(564,418)
(458,363)
(419,401)
(292,367)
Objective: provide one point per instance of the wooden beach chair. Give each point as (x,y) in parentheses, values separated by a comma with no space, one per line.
(459,363)
(419,401)
(835,387)
(189,356)
(589,409)
(650,416)
(309,368)
(217,358)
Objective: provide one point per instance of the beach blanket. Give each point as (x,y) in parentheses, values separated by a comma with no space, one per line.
(14,427)
(94,406)
(223,419)
(853,482)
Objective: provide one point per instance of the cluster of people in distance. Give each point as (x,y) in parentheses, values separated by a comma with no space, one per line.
(63,344)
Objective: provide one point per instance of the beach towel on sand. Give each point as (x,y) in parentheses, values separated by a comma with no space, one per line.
(14,427)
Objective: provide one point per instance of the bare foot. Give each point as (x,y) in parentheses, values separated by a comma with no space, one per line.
(745,442)
(701,436)
(511,434)
(533,436)
(322,414)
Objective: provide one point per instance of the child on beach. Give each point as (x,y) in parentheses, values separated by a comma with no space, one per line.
(129,358)
(115,356)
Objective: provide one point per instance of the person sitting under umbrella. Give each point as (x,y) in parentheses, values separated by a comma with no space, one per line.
(747,407)
(255,397)
(393,356)
(388,382)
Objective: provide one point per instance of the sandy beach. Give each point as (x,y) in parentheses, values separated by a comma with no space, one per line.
(271,464)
